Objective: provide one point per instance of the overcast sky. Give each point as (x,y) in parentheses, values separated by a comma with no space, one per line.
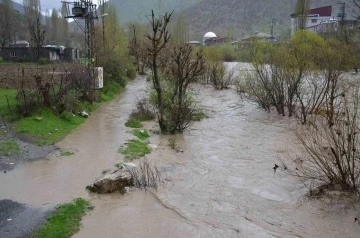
(46,4)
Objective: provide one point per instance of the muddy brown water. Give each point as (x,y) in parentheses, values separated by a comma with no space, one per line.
(222,185)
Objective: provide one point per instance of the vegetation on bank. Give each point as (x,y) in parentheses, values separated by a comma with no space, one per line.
(7,103)
(135,149)
(309,79)
(46,128)
(65,221)
(48,108)
(141,134)
(9,147)
(133,123)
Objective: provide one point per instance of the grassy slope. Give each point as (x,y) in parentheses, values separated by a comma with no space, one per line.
(44,126)
(65,221)
(130,10)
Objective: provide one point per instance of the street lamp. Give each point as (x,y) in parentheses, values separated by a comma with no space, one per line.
(103,27)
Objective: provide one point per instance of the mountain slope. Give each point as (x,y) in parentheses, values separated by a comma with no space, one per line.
(242,17)
(137,10)
(18,7)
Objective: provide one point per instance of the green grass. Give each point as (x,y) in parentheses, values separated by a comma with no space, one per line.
(67,153)
(9,147)
(43,126)
(4,108)
(141,134)
(132,123)
(65,221)
(135,149)
(110,90)
(142,117)
(46,128)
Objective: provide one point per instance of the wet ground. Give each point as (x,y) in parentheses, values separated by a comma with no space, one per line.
(222,185)
(19,220)
(28,150)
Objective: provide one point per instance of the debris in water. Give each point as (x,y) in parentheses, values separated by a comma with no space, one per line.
(84,114)
(9,219)
(275,168)
(4,171)
(130,165)
(152,146)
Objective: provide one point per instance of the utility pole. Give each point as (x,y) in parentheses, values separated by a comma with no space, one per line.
(85,10)
(273,22)
(342,14)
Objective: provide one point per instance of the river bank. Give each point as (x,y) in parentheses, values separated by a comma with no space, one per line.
(222,184)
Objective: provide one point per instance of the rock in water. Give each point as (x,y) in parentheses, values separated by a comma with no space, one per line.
(115,180)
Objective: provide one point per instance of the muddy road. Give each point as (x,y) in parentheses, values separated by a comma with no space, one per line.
(222,184)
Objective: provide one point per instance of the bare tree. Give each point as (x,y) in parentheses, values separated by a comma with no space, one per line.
(33,18)
(185,71)
(220,76)
(302,10)
(332,153)
(7,21)
(159,37)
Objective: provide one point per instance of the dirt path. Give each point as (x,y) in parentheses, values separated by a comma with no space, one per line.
(222,184)
(44,183)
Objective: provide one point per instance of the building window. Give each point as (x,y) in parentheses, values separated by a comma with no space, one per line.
(12,53)
(313,20)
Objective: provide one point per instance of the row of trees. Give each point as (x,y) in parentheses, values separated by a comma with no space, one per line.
(66,93)
(174,67)
(16,25)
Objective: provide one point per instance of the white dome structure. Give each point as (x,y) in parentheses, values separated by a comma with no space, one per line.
(208,35)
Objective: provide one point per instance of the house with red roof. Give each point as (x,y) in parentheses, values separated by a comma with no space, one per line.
(323,19)
(315,18)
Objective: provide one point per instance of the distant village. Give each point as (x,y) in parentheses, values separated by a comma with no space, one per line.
(319,20)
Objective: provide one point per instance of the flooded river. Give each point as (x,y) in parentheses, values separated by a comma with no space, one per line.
(222,185)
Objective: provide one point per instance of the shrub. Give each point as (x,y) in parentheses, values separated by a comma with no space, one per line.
(110,90)
(333,152)
(67,116)
(146,176)
(220,76)
(131,72)
(142,111)
(44,61)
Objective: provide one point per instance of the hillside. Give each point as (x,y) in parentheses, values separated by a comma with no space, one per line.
(242,17)
(130,10)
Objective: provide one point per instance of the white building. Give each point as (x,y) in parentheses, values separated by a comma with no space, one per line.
(316,17)
(324,19)
(207,36)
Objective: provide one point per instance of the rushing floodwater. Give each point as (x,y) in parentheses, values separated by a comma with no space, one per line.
(222,185)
